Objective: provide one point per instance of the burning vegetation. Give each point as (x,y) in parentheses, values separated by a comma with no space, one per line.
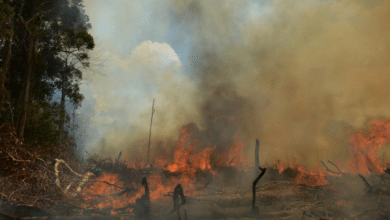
(194,179)
(287,72)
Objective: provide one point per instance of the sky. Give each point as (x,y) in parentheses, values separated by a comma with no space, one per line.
(298,75)
(135,38)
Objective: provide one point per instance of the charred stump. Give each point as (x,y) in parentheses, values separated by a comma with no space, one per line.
(142,204)
(254,187)
(178,192)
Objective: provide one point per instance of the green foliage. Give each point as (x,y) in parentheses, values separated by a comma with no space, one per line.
(42,126)
(76,38)
(6,13)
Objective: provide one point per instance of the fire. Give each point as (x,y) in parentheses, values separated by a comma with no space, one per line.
(159,188)
(340,202)
(303,176)
(364,147)
(103,193)
(310,177)
(188,159)
(192,159)
(363,161)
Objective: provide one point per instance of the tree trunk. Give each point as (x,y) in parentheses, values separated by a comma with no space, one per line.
(62,108)
(22,123)
(3,74)
(7,59)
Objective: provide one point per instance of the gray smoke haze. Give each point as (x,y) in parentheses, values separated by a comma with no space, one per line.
(299,76)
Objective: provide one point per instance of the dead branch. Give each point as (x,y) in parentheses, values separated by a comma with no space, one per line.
(108,183)
(335,166)
(329,170)
(366,182)
(254,187)
(81,184)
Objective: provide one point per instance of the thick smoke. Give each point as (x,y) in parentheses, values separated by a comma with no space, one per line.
(298,75)
(307,72)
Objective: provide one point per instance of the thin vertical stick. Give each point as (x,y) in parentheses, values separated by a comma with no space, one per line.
(150,131)
(257,163)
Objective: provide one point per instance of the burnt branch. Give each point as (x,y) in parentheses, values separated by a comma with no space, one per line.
(329,170)
(335,166)
(254,186)
(366,183)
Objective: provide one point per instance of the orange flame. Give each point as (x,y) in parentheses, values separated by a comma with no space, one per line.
(193,159)
(310,177)
(101,194)
(364,147)
(304,176)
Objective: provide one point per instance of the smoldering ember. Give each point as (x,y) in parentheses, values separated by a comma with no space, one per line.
(194,109)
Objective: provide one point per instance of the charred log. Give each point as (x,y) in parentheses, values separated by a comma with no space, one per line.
(254,187)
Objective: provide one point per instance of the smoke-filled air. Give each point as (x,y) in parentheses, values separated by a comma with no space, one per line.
(298,75)
(195,109)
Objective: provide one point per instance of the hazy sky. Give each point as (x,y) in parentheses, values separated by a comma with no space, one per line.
(139,47)
(145,52)
(299,75)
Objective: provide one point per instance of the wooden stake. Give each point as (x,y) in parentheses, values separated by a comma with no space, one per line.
(150,131)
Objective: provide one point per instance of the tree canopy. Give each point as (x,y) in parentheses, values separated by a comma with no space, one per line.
(44,47)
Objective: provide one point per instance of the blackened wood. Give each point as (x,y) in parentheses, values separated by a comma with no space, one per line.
(142,204)
(366,182)
(178,192)
(254,186)
(257,163)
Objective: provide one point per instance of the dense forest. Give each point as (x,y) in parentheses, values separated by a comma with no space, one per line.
(44,46)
